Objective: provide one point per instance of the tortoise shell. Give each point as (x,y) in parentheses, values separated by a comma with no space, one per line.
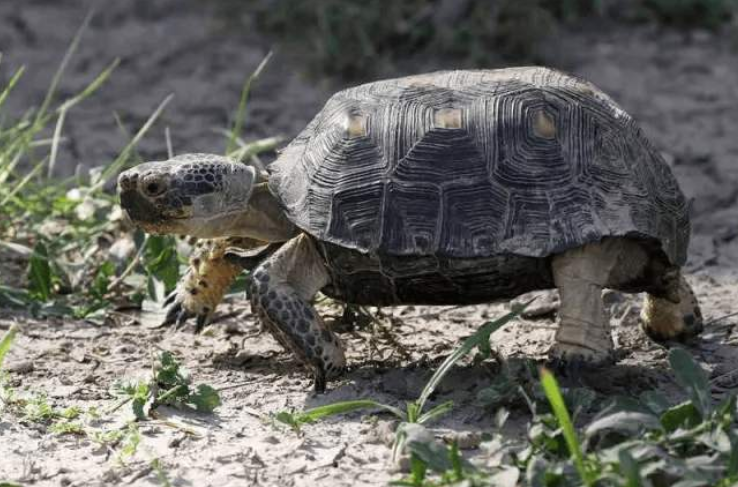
(473,164)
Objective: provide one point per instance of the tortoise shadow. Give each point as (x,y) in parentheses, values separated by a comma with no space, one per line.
(463,384)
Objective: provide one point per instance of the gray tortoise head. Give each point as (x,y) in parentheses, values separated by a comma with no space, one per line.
(191,194)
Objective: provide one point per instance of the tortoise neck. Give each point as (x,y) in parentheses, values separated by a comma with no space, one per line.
(264,219)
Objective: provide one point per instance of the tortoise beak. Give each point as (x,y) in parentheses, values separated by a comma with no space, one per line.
(139,209)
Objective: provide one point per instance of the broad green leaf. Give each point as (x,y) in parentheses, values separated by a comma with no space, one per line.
(502,390)
(692,378)
(433,455)
(102,279)
(161,261)
(684,415)
(205,398)
(169,373)
(630,470)
(138,405)
(655,401)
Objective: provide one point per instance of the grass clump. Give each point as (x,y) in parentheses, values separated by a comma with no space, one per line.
(644,442)
(63,231)
(61,228)
(709,14)
(355,39)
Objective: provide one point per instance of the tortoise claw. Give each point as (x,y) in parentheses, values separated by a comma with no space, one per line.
(182,318)
(172,312)
(320,381)
(202,320)
(178,315)
(170,299)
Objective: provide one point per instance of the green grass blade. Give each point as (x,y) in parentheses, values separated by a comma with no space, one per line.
(11,84)
(91,88)
(51,92)
(7,341)
(248,150)
(134,158)
(314,414)
(68,105)
(39,273)
(125,153)
(55,142)
(241,112)
(436,412)
(553,393)
(23,182)
(480,336)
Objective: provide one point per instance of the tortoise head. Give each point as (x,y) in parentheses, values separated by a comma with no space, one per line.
(191,194)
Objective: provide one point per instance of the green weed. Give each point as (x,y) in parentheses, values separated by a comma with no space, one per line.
(170,384)
(645,442)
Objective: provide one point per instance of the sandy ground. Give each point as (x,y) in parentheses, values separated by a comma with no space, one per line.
(680,89)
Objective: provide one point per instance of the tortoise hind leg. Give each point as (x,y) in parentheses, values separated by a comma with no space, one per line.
(580,275)
(664,320)
(281,291)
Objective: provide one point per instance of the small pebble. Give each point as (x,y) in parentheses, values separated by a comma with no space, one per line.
(273,440)
(124,349)
(466,440)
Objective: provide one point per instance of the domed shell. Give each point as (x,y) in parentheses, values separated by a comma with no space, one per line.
(528,161)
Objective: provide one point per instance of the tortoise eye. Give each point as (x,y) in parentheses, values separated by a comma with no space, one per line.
(154,188)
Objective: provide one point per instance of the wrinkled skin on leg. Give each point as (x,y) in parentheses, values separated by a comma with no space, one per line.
(206,281)
(281,293)
(670,308)
(584,325)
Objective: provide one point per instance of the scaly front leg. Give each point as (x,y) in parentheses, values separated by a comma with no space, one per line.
(281,292)
(206,281)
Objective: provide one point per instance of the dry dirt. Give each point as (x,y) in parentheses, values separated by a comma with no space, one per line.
(681,89)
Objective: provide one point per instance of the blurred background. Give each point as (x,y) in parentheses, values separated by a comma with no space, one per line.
(670,63)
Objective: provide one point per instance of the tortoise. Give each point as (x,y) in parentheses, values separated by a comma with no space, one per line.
(454,187)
